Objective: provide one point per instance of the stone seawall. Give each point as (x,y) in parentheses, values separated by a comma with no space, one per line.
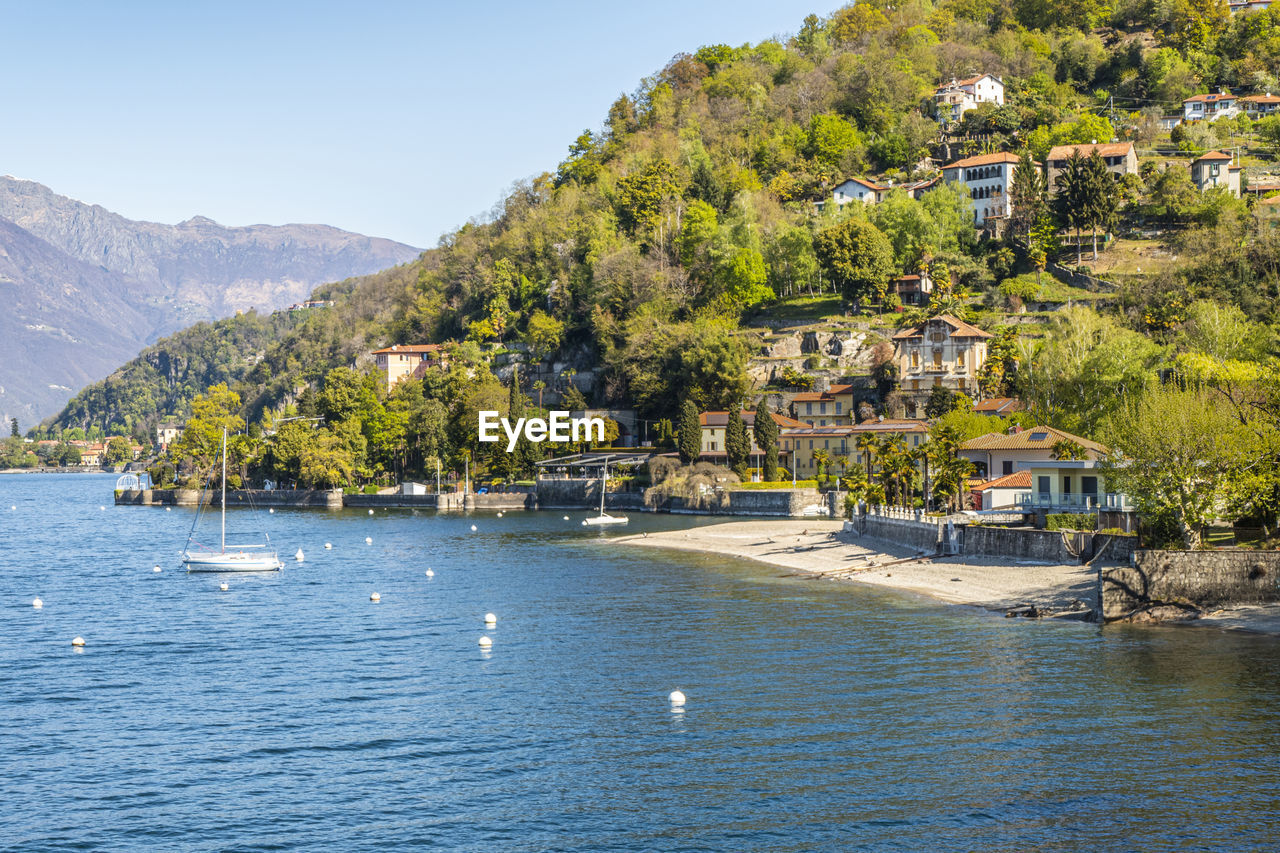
(922,535)
(1017,543)
(1188,581)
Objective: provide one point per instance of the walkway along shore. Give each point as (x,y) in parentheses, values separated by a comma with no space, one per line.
(819,549)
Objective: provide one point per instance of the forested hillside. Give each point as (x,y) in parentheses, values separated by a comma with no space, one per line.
(637,258)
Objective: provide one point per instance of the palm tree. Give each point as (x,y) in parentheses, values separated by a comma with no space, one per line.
(821,458)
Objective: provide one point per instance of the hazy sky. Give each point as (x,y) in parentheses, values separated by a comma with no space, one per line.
(395,119)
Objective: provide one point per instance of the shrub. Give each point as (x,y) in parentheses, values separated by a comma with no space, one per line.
(1069,521)
(779,484)
(371,489)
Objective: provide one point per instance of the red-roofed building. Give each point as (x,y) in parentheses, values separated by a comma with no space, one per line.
(1215,171)
(941,351)
(1121,159)
(988,178)
(1209,107)
(401,361)
(713,425)
(954,99)
(1002,492)
(1257,106)
(998,407)
(831,407)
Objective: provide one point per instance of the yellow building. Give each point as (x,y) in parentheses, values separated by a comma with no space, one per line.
(402,361)
(832,407)
(714,423)
(940,352)
(841,443)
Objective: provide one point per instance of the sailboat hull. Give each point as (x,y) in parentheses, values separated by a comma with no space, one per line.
(232,562)
(605,519)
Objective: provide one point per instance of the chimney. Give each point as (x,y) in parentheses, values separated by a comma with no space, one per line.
(1013,430)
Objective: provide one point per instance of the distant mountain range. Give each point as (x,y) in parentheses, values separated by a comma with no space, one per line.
(84,289)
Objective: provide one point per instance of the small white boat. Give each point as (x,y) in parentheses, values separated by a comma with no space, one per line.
(241,558)
(604,517)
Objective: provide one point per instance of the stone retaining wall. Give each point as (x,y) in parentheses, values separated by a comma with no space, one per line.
(1191,581)
(1020,543)
(922,535)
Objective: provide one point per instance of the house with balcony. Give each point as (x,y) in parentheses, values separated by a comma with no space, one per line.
(1121,159)
(952,100)
(1259,106)
(833,406)
(1215,171)
(988,178)
(940,352)
(998,454)
(403,361)
(1209,107)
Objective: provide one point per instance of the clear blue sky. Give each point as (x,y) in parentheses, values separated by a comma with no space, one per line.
(395,119)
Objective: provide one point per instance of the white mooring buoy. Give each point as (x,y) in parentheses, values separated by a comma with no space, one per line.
(375,597)
(473,528)
(223,586)
(485,642)
(299,556)
(155,569)
(37,603)
(271,511)
(677,699)
(78,641)
(13,507)
(499,515)
(168,509)
(328,546)
(370,512)
(430,573)
(566,518)
(103,508)
(368,540)
(490,619)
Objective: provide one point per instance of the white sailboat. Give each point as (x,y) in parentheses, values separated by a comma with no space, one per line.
(242,558)
(604,517)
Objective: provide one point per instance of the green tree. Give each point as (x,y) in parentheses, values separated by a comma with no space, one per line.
(941,400)
(690,433)
(736,443)
(13,427)
(118,450)
(765,431)
(1173,452)
(856,257)
(201,440)
(1102,197)
(544,334)
(640,196)
(1028,197)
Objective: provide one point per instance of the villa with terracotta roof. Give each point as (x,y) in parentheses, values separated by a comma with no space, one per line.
(1257,106)
(956,98)
(1213,171)
(829,407)
(940,352)
(1052,485)
(402,361)
(1209,107)
(988,178)
(1120,157)
(1002,492)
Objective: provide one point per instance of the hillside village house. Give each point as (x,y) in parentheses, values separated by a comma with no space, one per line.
(167,434)
(402,361)
(998,407)
(954,99)
(1214,170)
(1209,107)
(1257,106)
(869,192)
(713,426)
(988,178)
(1120,157)
(833,406)
(941,351)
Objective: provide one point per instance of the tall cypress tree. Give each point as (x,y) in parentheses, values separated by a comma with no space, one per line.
(766,435)
(690,433)
(736,444)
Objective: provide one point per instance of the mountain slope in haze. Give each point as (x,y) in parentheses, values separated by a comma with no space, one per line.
(65,324)
(112,285)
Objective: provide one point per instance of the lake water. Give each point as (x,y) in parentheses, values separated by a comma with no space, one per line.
(291,713)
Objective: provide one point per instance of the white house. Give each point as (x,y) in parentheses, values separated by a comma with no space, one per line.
(1257,106)
(1214,170)
(954,99)
(1209,107)
(857,189)
(988,178)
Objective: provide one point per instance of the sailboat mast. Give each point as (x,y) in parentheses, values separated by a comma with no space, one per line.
(604,481)
(224,490)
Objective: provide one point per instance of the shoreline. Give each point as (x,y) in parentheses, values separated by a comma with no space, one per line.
(812,548)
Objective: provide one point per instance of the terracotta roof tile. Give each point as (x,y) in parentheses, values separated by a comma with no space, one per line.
(983,160)
(960,329)
(1016,480)
(1104,149)
(1036,438)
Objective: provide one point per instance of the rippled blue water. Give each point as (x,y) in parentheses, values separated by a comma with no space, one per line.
(291,713)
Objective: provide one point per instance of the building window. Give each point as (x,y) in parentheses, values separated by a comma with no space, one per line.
(808,408)
(822,408)
(960,360)
(915,359)
(937,359)
(1006,468)
(839,406)
(811,444)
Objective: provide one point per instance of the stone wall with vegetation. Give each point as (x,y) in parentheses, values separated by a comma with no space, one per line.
(1189,581)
